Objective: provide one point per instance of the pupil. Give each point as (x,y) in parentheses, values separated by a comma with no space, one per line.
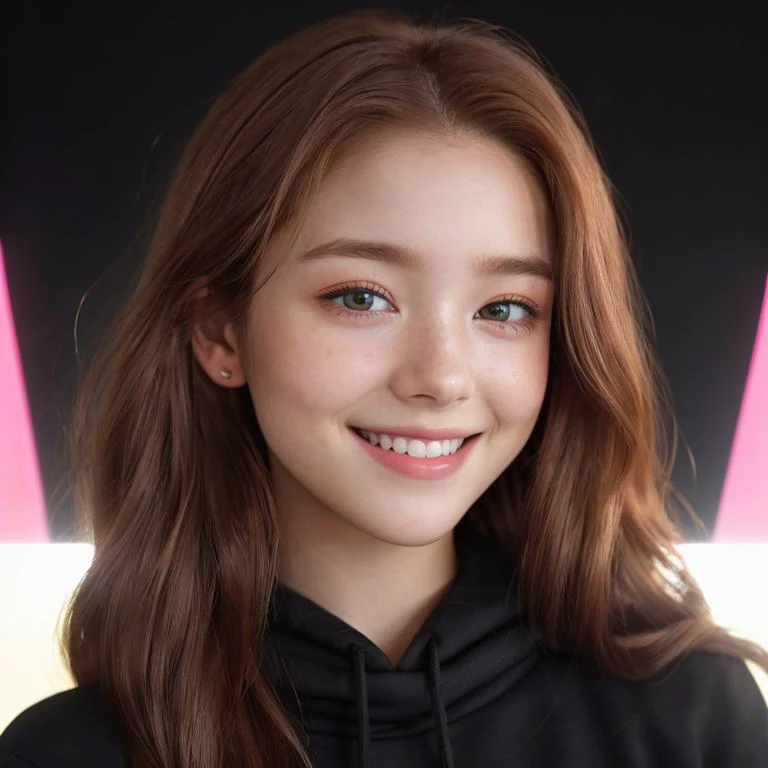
(360,298)
(499,311)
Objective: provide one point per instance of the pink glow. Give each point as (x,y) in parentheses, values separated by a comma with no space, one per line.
(743,514)
(22,502)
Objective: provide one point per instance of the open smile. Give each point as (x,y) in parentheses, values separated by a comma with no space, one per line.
(433,459)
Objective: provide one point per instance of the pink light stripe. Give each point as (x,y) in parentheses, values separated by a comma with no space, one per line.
(22,502)
(743,514)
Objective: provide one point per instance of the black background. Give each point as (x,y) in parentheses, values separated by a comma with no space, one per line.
(96,106)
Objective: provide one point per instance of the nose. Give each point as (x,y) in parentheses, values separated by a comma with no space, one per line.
(433,363)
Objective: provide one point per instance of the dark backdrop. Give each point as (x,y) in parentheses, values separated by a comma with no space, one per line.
(97,105)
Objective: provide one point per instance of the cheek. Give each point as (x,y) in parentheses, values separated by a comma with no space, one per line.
(302,370)
(518,385)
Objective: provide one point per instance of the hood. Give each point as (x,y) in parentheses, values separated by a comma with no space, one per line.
(473,646)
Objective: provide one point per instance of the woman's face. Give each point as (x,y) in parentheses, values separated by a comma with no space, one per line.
(431,312)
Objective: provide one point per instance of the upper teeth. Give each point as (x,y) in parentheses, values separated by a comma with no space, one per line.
(417,448)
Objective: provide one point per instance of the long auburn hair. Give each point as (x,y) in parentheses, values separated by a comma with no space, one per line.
(170,473)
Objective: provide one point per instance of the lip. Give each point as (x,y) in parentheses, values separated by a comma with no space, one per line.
(415,433)
(410,466)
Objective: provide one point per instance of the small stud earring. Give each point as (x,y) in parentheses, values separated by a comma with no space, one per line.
(226,374)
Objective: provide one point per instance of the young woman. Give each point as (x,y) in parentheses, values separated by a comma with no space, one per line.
(373,462)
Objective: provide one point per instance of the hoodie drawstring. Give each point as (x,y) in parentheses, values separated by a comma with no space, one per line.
(363,720)
(438,707)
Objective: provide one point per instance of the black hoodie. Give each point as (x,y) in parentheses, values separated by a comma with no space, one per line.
(474,689)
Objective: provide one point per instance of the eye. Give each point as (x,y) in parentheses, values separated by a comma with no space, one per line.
(507,311)
(359,299)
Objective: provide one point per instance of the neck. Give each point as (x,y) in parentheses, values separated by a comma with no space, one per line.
(384,590)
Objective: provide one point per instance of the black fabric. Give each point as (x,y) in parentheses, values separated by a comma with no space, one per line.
(72,728)
(475,688)
(471,649)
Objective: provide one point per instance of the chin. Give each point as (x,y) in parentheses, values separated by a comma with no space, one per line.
(418,530)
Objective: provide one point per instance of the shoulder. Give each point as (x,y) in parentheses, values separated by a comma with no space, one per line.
(70,728)
(708,701)
(724,707)
(707,682)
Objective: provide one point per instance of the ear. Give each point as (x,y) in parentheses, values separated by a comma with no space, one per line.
(215,344)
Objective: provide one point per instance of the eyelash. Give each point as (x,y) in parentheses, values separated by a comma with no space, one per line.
(378,291)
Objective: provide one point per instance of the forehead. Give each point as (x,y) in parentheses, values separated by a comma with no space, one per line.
(444,197)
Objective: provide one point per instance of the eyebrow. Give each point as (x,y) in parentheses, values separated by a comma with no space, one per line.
(487,265)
